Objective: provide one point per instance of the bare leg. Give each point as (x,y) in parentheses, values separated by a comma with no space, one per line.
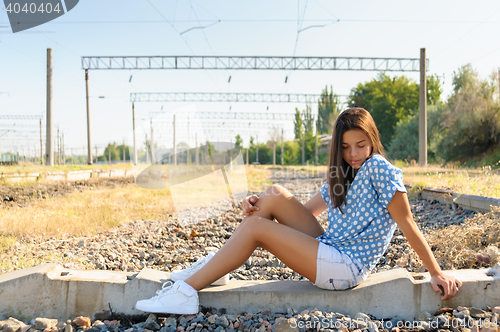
(294,248)
(278,203)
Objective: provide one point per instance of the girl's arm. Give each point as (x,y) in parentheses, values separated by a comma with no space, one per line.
(399,209)
(316,205)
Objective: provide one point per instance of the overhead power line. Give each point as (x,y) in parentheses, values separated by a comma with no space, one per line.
(20,117)
(15,126)
(161,126)
(222,20)
(251,63)
(234,115)
(224,97)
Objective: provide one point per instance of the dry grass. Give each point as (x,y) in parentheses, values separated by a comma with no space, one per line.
(82,214)
(458,246)
(24,168)
(473,181)
(89,212)
(258,177)
(85,213)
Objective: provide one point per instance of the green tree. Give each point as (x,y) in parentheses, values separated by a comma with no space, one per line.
(293,153)
(298,125)
(434,90)
(265,154)
(111,151)
(308,119)
(239,141)
(304,121)
(390,100)
(120,149)
(471,116)
(328,111)
(405,144)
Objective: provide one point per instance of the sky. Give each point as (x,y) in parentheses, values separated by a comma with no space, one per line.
(453,33)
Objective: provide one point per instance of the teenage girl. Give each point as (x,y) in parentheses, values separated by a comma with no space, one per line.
(365,198)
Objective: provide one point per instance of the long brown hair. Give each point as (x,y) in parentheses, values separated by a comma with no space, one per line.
(351,118)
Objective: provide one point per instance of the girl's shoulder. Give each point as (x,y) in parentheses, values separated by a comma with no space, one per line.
(380,162)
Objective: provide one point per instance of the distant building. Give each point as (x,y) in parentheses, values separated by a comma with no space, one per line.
(324,143)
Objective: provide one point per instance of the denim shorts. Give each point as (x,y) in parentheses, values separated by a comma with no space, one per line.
(338,271)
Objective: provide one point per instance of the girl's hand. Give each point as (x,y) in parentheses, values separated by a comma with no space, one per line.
(248,205)
(449,285)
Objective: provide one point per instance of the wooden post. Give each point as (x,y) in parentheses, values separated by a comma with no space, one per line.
(282,149)
(89,141)
(316,145)
(422,129)
(133,128)
(49,150)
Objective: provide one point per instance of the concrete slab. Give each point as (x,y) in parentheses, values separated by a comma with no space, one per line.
(55,176)
(51,291)
(79,175)
(118,172)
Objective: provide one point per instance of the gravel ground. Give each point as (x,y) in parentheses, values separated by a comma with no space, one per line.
(22,194)
(166,246)
(463,319)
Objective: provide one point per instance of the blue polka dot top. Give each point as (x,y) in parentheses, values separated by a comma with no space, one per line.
(365,229)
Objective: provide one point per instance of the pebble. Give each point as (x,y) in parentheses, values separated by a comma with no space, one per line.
(44,323)
(11,327)
(424,316)
(477,313)
(363,317)
(82,321)
(286,326)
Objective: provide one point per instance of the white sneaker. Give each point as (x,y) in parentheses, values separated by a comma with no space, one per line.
(173,298)
(189,271)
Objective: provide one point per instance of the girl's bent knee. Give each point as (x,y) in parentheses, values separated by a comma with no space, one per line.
(276,190)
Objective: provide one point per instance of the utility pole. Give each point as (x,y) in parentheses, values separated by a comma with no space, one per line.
(96,156)
(58,147)
(63,151)
(422,129)
(41,143)
(50,134)
(257,150)
(133,126)
(89,141)
(175,146)
(247,155)
(274,153)
(188,156)
(109,155)
(304,147)
(152,144)
(197,158)
(123,150)
(282,149)
(316,145)
(148,150)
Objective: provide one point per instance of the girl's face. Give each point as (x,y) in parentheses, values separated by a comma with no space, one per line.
(356,147)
